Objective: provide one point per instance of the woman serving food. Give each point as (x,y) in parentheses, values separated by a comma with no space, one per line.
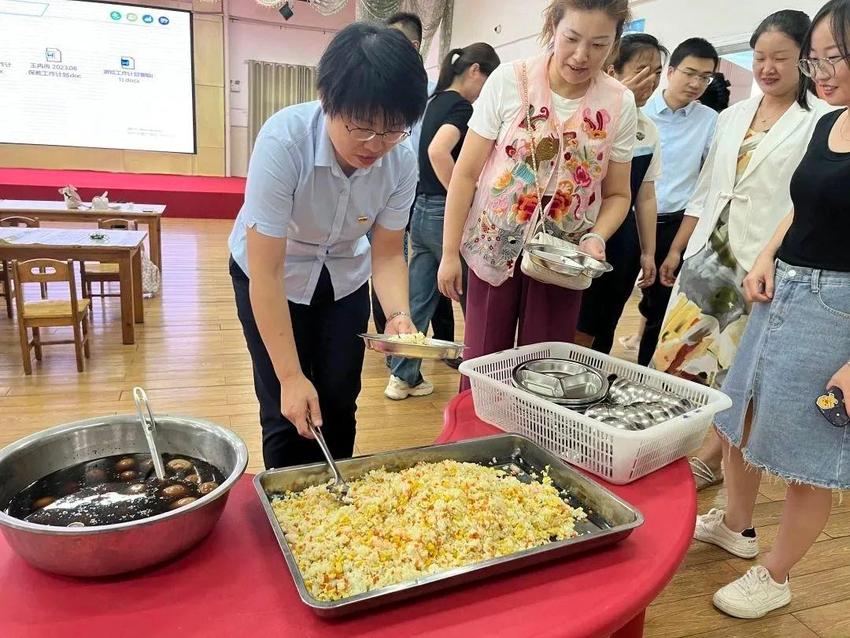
(321,176)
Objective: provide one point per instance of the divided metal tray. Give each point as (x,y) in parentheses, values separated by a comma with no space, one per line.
(610,519)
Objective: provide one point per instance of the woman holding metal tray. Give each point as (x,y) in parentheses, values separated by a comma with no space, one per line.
(550,140)
(322,175)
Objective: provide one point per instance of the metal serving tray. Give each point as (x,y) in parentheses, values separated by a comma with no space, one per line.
(431,349)
(610,519)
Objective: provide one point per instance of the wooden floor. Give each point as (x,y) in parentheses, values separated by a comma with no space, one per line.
(190,357)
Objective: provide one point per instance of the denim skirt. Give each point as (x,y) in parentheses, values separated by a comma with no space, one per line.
(790,349)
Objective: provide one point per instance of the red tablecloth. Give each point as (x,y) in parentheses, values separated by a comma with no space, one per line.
(236,582)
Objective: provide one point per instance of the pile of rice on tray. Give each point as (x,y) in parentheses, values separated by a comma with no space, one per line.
(419,521)
(416,338)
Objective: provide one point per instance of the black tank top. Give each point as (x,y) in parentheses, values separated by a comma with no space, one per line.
(819,189)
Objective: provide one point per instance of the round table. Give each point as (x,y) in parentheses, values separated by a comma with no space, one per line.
(236,582)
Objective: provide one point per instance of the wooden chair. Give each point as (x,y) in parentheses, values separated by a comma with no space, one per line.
(94,271)
(5,278)
(6,287)
(49,313)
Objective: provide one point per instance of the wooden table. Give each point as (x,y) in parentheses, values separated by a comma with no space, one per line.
(49,211)
(122,247)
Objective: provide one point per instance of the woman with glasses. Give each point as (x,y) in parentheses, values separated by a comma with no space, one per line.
(741,196)
(321,176)
(462,75)
(791,372)
(551,139)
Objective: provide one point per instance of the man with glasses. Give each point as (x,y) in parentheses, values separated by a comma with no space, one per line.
(322,175)
(686,129)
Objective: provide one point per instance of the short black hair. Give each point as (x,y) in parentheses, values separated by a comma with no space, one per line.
(633,44)
(368,71)
(795,25)
(695,47)
(408,21)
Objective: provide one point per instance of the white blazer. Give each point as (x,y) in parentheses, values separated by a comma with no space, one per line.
(762,196)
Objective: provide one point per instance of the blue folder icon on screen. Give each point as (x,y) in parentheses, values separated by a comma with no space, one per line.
(128,63)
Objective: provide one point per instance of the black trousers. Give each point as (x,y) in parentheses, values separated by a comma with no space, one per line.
(331,356)
(603,303)
(653,305)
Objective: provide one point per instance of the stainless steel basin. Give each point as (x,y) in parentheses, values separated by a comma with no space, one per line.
(113,549)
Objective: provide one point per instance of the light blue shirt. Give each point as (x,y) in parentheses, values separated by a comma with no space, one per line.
(686,136)
(297,190)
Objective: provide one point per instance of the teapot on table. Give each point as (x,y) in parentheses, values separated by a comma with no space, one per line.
(101,202)
(72,198)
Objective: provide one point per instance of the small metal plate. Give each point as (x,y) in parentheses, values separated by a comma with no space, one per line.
(562,381)
(431,349)
(567,260)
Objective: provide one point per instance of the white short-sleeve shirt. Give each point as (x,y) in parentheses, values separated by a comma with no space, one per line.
(499,105)
(648,143)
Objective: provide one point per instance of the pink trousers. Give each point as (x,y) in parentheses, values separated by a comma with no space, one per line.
(520,312)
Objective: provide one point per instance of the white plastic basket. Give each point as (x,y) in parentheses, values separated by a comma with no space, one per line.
(618,456)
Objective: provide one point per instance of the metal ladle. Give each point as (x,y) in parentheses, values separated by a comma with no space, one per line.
(149,427)
(339,486)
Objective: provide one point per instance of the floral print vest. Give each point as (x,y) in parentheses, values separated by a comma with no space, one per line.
(572,157)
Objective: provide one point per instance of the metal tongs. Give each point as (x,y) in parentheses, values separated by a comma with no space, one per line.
(339,487)
(149,427)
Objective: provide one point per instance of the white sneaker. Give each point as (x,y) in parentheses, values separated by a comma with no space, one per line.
(397,389)
(753,595)
(710,528)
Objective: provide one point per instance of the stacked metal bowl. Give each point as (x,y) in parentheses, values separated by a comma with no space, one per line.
(620,403)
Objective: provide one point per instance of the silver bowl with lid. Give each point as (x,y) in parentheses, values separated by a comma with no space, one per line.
(561,381)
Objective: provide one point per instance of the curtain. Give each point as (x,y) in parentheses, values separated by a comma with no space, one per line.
(273,86)
(435,15)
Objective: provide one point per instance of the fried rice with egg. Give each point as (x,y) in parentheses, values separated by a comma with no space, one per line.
(415,522)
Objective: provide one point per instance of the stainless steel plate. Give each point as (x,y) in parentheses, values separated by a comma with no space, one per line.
(594,268)
(567,260)
(562,381)
(556,262)
(431,349)
(610,519)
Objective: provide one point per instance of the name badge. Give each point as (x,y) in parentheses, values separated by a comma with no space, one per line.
(362,219)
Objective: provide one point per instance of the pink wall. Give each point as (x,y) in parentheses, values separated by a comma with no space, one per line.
(259,33)
(741,81)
